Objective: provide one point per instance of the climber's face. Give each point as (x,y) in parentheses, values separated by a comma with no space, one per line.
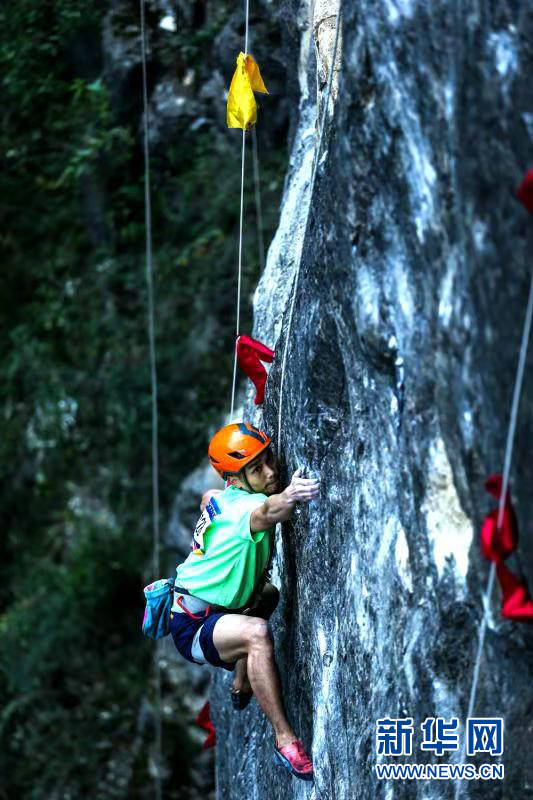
(261,474)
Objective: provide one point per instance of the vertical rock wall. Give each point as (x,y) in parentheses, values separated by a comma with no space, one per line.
(412,293)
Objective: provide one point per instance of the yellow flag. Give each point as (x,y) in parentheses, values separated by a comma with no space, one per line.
(242,108)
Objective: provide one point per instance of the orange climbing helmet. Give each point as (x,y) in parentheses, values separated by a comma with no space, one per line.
(234,446)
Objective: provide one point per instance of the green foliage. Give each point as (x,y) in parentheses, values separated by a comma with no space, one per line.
(75,462)
(62,651)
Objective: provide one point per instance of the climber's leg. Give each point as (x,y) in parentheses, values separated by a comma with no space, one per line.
(264,608)
(236,636)
(241,682)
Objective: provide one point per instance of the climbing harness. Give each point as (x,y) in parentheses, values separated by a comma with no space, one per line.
(184,604)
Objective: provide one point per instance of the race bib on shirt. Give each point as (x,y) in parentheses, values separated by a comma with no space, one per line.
(211,510)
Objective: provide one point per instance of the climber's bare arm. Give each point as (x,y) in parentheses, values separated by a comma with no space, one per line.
(279,507)
(206,497)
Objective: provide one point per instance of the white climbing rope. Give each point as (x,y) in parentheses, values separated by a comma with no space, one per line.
(258,208)
(501,506)
(246,15)
(311,190)
(153,379)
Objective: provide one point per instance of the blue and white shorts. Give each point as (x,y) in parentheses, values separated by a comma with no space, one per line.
(194,638)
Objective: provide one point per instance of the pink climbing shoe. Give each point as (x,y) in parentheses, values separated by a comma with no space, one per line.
(294,758)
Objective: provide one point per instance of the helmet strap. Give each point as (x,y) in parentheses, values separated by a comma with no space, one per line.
(244,479)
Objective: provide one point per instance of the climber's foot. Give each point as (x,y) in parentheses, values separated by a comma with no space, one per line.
(241,691)
(240,698)
(294,758)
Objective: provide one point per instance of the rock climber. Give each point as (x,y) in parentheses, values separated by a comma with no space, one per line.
(222,597)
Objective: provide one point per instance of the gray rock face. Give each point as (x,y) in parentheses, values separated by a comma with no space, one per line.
(401,360)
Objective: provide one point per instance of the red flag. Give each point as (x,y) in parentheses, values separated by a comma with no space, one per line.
(250,353)
(516,601)
(204,721)
(496,545)
(525,191)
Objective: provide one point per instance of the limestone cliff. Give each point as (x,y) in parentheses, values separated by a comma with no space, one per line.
(401,360)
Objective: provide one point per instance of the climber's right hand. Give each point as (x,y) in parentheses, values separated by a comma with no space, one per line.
(279,507)
(301,490)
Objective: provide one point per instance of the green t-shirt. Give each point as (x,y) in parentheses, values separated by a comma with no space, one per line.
(234,559)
